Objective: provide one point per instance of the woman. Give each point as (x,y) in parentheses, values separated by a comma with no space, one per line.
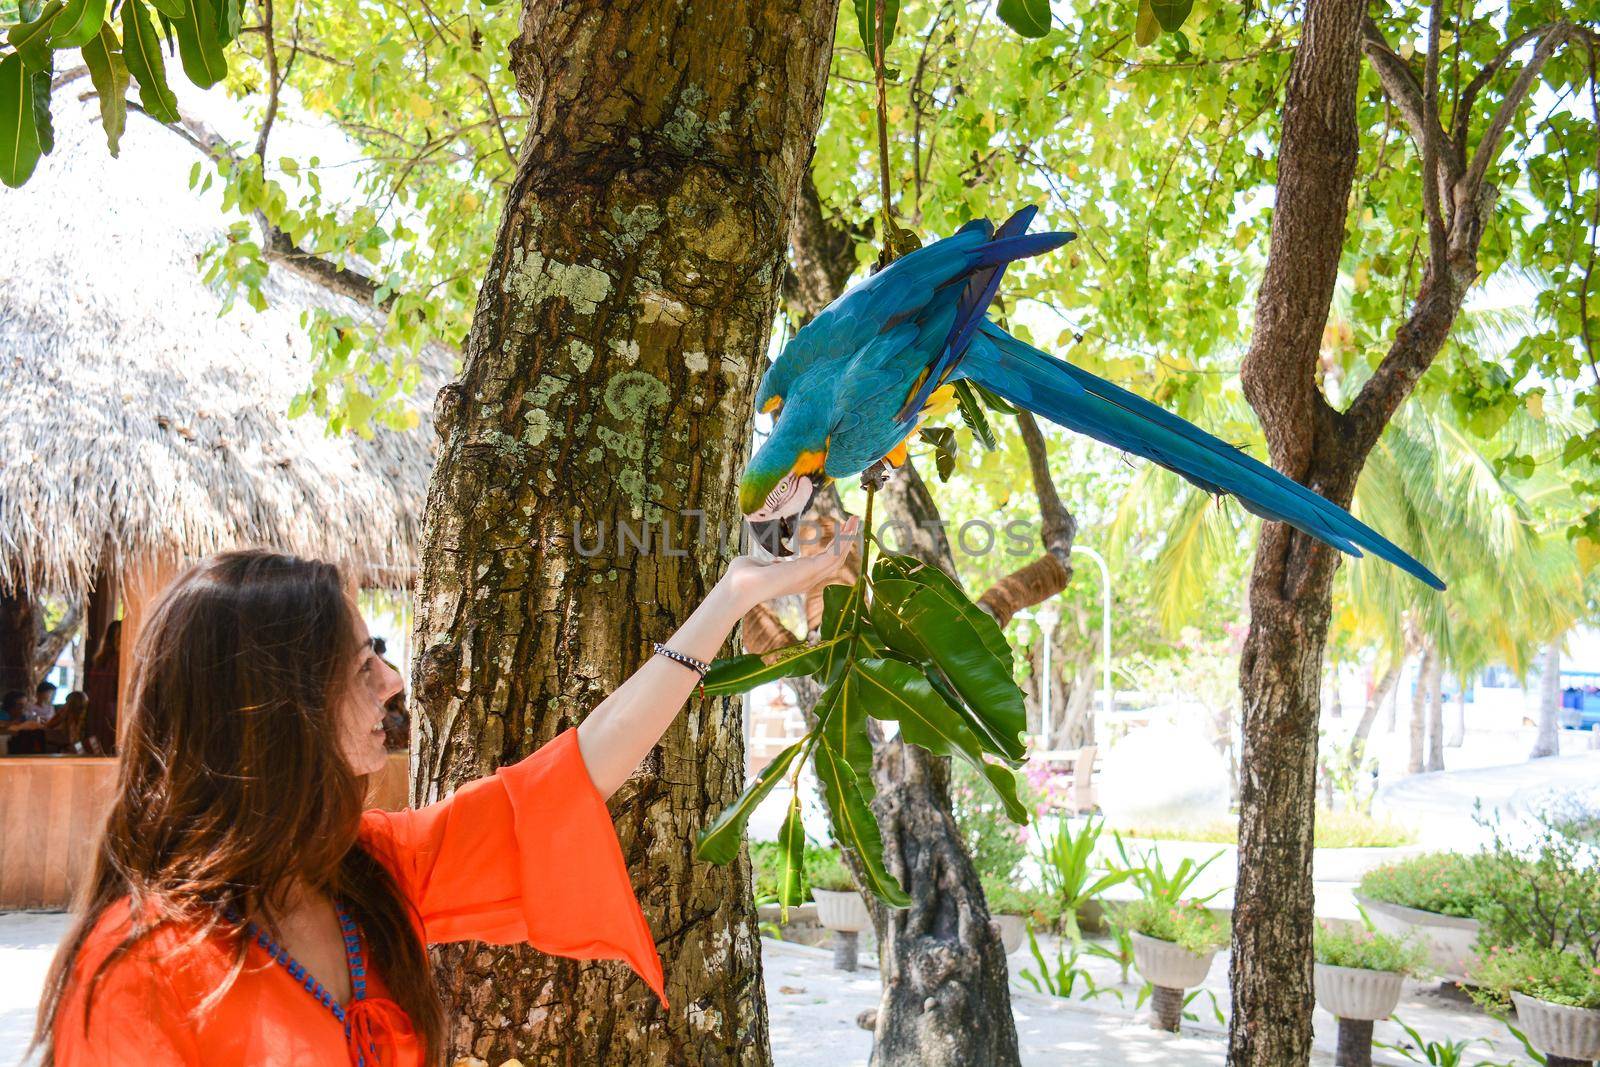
(64,732)
(243,910)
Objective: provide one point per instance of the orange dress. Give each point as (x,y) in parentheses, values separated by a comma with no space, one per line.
(528,854)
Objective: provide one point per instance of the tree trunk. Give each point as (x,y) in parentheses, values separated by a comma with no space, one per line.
(608,380)
(17,642)
(946,998)
(1417,763)
(1436,715)
(1380,695)
(1458,725)
(1548,742)
(1291,582)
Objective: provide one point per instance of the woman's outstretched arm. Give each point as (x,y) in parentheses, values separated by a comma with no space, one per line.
(627,724)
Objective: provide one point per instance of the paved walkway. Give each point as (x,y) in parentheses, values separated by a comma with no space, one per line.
(814,1007)
(1441,804)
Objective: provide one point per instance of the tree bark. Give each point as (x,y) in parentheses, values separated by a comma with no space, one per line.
(1548,741)
(1417,763)
(1436,714)
(946,998)
(608,380)
(17,642)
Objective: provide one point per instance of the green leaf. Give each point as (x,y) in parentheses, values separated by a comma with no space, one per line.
(866,15)
(890,689)
(141,50)
(41,110)
(1171,13)
(740,674)
(840,604)
(32,39)
(109,74)
(791,857)
(972,414)
(199,45)
(78,23)
(854,826)
(983,680)
(1146,28)
(719,842)
(1031,18)
(173,9)
(890,565)
(19,136)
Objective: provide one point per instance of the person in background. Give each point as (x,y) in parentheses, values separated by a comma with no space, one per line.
(396,720)
(100,722)
(43,708)
(64,732)
(25,736)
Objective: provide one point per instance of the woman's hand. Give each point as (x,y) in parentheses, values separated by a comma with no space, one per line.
(751,581)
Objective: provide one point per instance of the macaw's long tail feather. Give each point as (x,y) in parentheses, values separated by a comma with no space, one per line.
(1080,401)
(1011,242)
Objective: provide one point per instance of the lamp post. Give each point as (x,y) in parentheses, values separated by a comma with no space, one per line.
(1105,634)
(1047,616)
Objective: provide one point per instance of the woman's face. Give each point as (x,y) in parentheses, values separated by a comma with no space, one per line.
(372,683)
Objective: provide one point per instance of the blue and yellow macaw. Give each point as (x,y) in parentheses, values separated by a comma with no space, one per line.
(857,381)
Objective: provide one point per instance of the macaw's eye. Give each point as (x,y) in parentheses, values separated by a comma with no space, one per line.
(780,492)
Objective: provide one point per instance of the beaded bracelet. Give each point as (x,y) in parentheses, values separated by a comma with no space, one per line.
(698,666)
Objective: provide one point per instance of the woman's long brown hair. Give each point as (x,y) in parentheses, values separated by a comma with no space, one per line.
(232,749)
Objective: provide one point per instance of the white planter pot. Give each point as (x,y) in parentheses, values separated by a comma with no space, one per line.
(1557,1030)
(1165,963)
(1355,993)
(845,912)
(1451,941)
(1013,928)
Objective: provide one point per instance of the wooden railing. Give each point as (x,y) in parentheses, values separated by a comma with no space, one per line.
(51,811)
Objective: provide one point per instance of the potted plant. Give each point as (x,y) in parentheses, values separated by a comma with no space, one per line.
(1012,908)
(840,906)
(1357,977)
(1173,946)
(1556,995)
(1068,866)
(1432,899)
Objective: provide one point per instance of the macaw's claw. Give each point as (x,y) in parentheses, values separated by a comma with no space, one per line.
(876,476)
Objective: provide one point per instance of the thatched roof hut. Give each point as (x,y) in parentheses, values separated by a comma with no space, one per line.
(135,421)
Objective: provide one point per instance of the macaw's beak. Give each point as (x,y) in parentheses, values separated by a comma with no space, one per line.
(773,526)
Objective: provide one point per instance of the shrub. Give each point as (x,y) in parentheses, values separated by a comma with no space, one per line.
(1545,891)
(1542,973)
(996,844)
(1188,923)
(1035,904)
(1368,951)
(824,867)
(1446,883)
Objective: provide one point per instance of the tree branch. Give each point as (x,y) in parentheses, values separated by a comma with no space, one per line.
(277,246)
(1400,85)
(1489,144)
(1049,574)
(1432,141)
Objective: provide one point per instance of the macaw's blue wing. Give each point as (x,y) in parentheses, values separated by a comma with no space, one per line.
(1090,405)
(906,289)
(976,296)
